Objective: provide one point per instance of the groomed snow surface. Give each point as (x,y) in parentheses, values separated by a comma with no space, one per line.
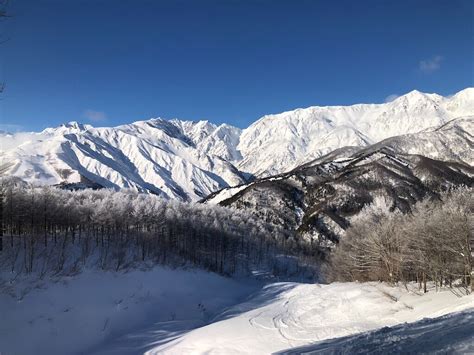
(165,311)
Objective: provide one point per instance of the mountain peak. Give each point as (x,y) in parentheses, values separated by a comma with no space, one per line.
(413,95)
(74,125)
(69,127)
(416,96)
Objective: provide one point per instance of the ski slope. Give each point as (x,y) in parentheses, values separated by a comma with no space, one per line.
(288,315)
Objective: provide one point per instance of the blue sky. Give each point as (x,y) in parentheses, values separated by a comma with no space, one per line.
(109,62)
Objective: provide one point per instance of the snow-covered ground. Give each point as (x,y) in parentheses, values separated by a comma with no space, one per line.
(450,334)
(165,311)
(288,315)
(87,312)
(226,193)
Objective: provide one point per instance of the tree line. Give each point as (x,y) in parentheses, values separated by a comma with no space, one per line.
(49,230)
(431,243)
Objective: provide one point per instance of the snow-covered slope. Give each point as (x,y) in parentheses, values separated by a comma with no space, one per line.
(283,316)
(278,143)
(175,159)
(449,334)
(453,141)
(197,312)
(78,313)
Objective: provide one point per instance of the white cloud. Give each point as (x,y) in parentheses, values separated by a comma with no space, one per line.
(430,65)
(392,97)
(95,116)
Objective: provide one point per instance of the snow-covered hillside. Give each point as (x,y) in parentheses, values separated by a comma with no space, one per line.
(175,159)
(166,311)
(452,141)
(278,143)
(319,199)
(189,160)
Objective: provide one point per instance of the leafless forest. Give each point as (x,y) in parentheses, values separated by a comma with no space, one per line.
(431,243)
(53,231)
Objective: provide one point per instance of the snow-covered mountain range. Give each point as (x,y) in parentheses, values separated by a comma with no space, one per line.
(175,159)
(189,160)
(278,143)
